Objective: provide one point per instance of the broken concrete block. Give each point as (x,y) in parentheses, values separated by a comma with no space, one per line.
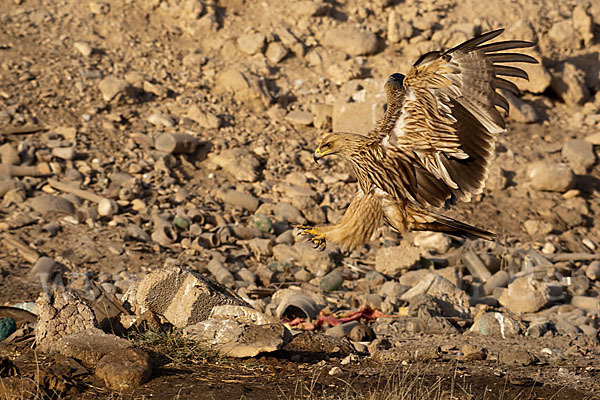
(182,297)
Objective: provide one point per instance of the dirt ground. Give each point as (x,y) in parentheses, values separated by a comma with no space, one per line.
(174,55)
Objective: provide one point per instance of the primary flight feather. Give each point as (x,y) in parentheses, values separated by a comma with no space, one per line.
(434,143)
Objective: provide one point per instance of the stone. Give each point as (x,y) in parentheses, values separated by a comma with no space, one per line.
(540,79)
(276,52)
(125,369)
(593,271)
(245,87)
(60,315)
(435,242)
(112,87)
(315,343)
(499,279)
(351,41)
(563,35)
(203,118)
(453,301)
(160,119)
(233,339)
(537,227)
(242,314)
(251,43)
(579,153)
(570,85)
(412,278)
(299,117)
(471,352)
(391,260)
(89,346)
(397,29)
(332,281)
(591,304)
(288,212)
(583,24)
(593,138)
(83,48)
(241,199)
(551,176)
(48,205)
(516,357)
(475,266)
(521,110)
(182,297)
(524,295)
(495,324)
(44,269)
(238,162)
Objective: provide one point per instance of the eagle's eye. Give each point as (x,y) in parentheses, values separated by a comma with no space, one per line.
(326,146)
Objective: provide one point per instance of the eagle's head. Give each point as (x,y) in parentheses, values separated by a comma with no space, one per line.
(393,86)
(344,144)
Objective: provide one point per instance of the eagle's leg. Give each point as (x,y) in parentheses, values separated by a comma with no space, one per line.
(363,216)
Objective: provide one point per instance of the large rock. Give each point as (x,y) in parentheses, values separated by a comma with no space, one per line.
(236,339)
(551,176)
(48,205)
(182,297)
(90,346)
(61,315)
(351,41)
(524,295)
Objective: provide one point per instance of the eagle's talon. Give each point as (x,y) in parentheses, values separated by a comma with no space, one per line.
(315,236)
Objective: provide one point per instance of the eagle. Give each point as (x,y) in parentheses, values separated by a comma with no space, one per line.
(432,147)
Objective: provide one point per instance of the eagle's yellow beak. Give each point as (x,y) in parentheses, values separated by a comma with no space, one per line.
(319,154)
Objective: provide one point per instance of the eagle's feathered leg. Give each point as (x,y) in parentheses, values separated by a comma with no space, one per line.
(362,217)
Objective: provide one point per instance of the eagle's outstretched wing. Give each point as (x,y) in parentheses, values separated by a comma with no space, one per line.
(443,116)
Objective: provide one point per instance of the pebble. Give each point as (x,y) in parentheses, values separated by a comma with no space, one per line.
(352,41)
(551,176)
(563,35)
(391,260)
(435,242)
(111,86)
(335,371)
(240,163)
(176,143)
(499,279)
(521,110)
(579,153)
(264,224)
(48,204)
(537,227)
(332,281)
(299,117)
(515,356)
(241,199)
(107,207)
(221,274)
(591,304)
(495,324)
(593,271)
(251,43)
(524,295)
(570,85)
(276,52)
(203,118)
(342,330)
(84,48)
(160,120)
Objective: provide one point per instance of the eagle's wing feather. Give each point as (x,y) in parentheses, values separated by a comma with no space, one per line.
(445,116)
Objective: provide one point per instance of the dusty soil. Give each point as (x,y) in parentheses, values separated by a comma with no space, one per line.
(173,53)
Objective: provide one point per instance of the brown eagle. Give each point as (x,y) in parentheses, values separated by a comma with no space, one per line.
(433,144)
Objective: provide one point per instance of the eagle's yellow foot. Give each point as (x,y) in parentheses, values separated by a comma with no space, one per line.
(315,236)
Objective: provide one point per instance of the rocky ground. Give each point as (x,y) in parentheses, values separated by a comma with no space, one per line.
(151,148)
